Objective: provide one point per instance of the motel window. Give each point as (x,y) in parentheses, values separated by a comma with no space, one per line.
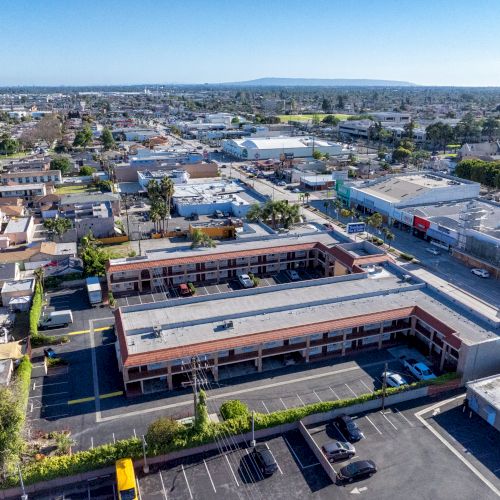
(335,333)
(271,345)
(297,340)
(316,336)
(156,366)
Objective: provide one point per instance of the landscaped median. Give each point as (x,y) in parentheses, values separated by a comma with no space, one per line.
(166,436)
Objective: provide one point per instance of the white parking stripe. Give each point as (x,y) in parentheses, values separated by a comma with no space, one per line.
(376,428)
(293,451)
(286,407)
(232,471)
(371,390)
(138,489)
(163,485)
(300,399)
(334,393)
(265,407)
(254,466)
(185,477)
(402,416)
(355,395)
(210,477)
(315,393)
(279,468)
(383,414)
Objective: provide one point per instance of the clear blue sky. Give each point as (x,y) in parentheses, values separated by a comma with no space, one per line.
(429,42)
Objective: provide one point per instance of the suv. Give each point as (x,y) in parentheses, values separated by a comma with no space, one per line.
(338,451)
(348,428)
(245,281)
(293,275)
(482,273)
(357,470)
(419,370)
(264,459)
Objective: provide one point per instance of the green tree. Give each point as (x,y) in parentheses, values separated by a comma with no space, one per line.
(202,419)
(254,213)
(83,137)
(57,226)
(401,154)
(61,163)
(375,220)
(439,134)
(8,145)
(233,408)
(235,120)
(326,105)
(93,256)
(491,128)
(167,189)
(107,139)
(200,239)
(468,129)
(162,432)
(87,170)
(317,155)
(331,120)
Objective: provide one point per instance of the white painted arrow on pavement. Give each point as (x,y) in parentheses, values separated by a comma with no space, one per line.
(357,491)
(437,411)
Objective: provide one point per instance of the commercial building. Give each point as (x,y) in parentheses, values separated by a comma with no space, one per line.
(355,128)
(75,205)
(370,307)
(156,270)
(176,176)
(483,396)
(204,198)
(391,193)
(277,148)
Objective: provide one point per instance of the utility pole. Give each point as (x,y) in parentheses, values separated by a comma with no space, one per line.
(384,386)
(195,365)
(126,212)
(253,430)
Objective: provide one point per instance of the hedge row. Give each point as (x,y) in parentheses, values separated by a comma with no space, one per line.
(36,309)
(189,437)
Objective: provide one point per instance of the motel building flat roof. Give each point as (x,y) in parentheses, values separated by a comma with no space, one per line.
(162,331)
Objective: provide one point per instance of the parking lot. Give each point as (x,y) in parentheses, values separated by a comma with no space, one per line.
(411,461)
(233,473)
(160,294)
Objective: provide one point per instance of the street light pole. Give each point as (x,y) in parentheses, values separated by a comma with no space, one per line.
(253,429)
(145,466)
(384,386)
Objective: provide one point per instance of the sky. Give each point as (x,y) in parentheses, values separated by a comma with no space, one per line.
(91,42)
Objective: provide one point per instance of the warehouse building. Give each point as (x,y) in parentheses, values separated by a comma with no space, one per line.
(277,148)
(333,316)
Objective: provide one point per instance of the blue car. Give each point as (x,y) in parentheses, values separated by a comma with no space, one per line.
(50,353)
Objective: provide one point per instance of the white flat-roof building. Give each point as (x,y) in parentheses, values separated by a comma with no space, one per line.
(177,176)
(484,398)
(273,148)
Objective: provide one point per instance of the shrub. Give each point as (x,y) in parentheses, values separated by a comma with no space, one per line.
(87,170)
(406,256)
(36,309)
(52,362)
(161,433)
(40,340)
(192,288)
(233,408)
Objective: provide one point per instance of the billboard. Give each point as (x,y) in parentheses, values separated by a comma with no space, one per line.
(356,227)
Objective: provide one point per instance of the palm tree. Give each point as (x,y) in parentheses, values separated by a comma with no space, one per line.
(254,213)
(290,215)
(39,274)
(390,236)
(306,196)
(200,239)
(167,190)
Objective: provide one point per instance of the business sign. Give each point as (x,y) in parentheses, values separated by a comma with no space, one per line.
(407,218)
(355,227)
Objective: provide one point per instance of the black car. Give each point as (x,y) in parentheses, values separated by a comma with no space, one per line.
(348,428)
(264,459)
(356,470)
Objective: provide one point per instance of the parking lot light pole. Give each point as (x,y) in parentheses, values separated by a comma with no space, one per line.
(384,386)
(253,429)
(145,467)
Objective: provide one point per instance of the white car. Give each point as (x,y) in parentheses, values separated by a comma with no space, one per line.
(433,251)
(293,275)
(394,379)
(482,273)
(418,369)
(245,280)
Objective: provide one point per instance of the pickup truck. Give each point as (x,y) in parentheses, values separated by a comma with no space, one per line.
(418,369)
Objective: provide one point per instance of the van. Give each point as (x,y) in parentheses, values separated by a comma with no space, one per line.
(56,319)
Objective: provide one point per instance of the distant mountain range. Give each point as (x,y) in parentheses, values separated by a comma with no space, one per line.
(319,82)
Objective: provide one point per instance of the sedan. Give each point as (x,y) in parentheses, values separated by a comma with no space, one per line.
(245,280)
(482,273)
(357,470)
(281,183)
(293,275)
(348,427)
(394,379)
(433,251)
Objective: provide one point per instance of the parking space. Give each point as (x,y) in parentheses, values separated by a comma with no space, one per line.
(234,473)
(396,441)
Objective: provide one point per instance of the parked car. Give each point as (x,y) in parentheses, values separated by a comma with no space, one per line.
(433,251)
(394,379)
(357,470)
(264,459)
(281,183)
(245,281)
(293,275)
(418,369)
(295,190)
(49,353)
(482,273)
(348,428)
(56,319)
(337,451)
(218,214)
(184,290)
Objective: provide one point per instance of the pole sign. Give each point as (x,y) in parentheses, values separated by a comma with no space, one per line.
(355,227)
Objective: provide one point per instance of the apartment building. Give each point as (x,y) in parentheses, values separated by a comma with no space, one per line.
(30,176)
(25,191)
(312,320)
(264,257)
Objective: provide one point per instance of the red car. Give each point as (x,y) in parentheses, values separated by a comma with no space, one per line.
(184,290)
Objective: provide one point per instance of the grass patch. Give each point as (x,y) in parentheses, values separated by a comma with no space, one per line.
(77,189)
(118,249)
(21,154)
(308,117)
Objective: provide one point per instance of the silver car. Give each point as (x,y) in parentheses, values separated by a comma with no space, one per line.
(394,379)
(336,451)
